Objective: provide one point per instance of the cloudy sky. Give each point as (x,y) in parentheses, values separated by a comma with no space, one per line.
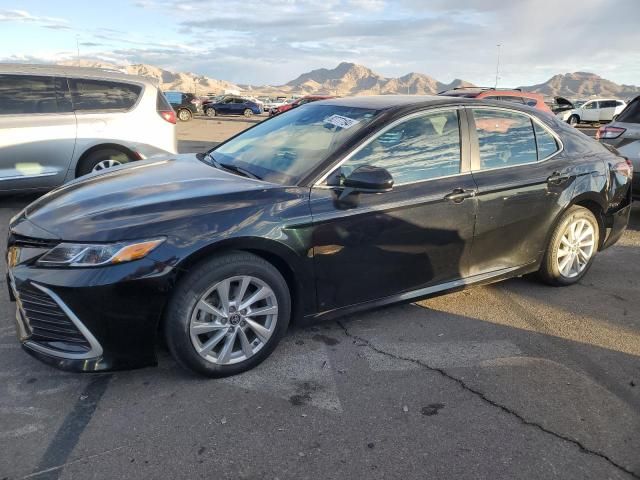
(273,41)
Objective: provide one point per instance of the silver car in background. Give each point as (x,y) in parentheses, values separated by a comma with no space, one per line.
(624,134)
(58,123)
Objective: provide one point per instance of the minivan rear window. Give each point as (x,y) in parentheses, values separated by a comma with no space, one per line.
(27,94)
(102,94)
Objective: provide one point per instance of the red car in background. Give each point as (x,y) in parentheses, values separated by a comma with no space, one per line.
(515,95)
(297,103)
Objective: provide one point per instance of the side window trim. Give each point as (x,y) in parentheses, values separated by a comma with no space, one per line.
(465,148)
(474,144)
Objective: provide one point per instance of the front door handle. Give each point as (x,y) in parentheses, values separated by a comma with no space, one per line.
(557,177)
(459,194)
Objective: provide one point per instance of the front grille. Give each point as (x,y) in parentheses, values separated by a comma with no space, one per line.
(47,322)
(30,242)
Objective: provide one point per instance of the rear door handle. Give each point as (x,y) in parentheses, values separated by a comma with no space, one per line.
(459,194)
(557,177)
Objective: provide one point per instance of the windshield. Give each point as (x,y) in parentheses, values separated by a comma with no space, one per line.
(287,147)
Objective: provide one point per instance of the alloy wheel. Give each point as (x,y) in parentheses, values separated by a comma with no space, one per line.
(184,115)
(577,246)
(110,162)
(248,113)
(233,320)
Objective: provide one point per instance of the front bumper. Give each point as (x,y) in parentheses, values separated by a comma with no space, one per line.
(91,319)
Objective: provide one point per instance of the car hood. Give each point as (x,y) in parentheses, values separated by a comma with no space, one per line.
(137,200)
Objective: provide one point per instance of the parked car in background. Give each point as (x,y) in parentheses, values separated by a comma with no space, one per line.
(184,104)
(274,103)
(516,96)
(309,214)
(58,123)
(624,134)
(593,111)
(232,105)
(297,103)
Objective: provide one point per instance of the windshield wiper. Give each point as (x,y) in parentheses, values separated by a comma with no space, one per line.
(242,171)
(207,157)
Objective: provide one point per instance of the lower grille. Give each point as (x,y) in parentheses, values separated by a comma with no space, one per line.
(48,324)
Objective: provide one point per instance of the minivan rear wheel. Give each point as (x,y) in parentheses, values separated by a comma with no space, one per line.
(227,315)
(572,247)
(102,159)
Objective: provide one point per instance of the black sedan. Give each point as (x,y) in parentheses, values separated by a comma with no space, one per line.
(336,207)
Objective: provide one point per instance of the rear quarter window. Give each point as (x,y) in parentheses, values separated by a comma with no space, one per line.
(103,95)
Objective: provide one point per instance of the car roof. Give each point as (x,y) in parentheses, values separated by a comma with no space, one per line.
(71,71)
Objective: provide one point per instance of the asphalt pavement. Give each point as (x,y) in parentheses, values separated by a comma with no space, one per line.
(511,380)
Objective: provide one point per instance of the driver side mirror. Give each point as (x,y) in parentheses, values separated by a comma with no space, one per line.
(367,179)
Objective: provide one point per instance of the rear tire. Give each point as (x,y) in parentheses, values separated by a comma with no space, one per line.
(184,115)
(248,112)
(197,305)
(572,248)
(102,159)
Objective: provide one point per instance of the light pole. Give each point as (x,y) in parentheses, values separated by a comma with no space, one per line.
(78,49)
(497,65)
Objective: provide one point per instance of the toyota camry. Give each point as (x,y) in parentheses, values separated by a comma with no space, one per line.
(331,208)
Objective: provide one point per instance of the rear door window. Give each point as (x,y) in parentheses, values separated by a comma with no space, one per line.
(103,95)
(28,94)
(505,138)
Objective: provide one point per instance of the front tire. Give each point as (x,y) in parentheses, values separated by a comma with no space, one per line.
(210,112)
(572,247)
(227,315)
(573,120)
(102,159)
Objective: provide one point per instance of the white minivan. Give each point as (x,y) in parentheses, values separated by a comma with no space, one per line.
(58,123)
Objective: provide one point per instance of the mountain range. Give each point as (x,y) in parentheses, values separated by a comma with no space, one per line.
(353,79)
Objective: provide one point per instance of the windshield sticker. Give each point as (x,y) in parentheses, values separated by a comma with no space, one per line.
(340,121)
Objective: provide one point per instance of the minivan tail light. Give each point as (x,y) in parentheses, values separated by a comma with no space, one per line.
(624,168)
(609,132)
(168,115)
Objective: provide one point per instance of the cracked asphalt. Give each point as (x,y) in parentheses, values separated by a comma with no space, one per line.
(511,380)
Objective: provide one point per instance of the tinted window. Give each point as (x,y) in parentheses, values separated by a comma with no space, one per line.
(238,100)
(631,114)
(546,142)
(103,95)
(23,94)
(174,98)
(418,149)
(608,104)
(504,138)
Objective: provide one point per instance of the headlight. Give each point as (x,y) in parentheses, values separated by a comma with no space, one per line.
(92,255)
